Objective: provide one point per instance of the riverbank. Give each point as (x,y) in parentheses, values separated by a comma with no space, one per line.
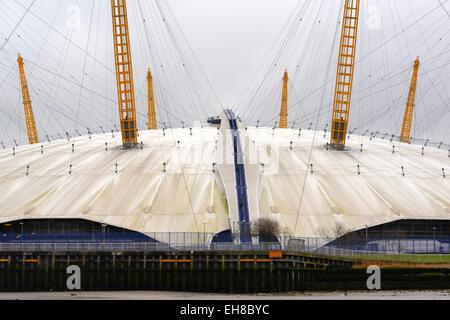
(158,295)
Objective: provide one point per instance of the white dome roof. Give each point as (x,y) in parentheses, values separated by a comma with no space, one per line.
(190,197)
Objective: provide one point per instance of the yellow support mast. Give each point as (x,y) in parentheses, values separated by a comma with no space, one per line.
(405,134)
(345,73)
(29,116)
(284,102)
(152,125)
(124,73)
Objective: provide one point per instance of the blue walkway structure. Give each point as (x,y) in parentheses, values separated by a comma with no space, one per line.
(241,183)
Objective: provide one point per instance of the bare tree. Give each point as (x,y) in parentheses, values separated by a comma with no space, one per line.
(267,229)
(324,233)
(337,231)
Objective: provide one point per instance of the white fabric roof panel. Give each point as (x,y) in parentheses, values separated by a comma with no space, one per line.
(140,197)
(335,193)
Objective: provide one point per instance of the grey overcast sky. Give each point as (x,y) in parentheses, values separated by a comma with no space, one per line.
(210,54)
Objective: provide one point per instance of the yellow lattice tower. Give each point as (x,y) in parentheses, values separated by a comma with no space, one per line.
(284,102)
(345,73)
(152,125)
(124,73)
(29,116)
(405,133)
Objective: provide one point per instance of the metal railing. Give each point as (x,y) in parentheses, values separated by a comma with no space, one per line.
(199,242)
(132,247)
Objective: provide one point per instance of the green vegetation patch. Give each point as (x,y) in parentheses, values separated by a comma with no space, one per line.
(413,258)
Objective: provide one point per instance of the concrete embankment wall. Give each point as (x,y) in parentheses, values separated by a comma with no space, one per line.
(203,272)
